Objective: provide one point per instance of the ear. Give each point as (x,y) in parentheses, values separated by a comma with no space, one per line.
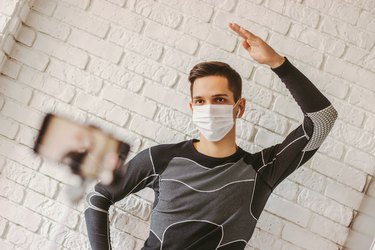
(241,107)
(191,106)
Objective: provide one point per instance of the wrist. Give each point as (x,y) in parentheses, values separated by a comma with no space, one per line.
(278,61)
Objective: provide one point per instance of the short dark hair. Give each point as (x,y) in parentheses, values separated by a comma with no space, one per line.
(217,68)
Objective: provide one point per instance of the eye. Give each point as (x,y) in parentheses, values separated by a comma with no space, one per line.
(220,99)
(198,101)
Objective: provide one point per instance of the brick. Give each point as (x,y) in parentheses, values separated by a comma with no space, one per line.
(348,33)
(83,4)
(349,113)
(22,113)
(117,115)
(4,22)
(79,78)
(157,12)
(168,117)
(16,172)
(300,51)
(260,96)
(317,39)
(136,206)
(75,240)
(8,7)
(166,135)
(144,127)
(11,190)
(177,60)
(265,138)
(20,215)
(242,66)
(51,209)
(93,104)
(270,223)
(339,171)
(30,57)
(44,185)
(42,242)
(8,44)
(132,225)
(43,102)
(287,189)
(263,16)
(48,25)
(61,50)
(166,96)
(26,35)
(302,14)
(332,148)
(120,16)
(244,130)
(360,160)
(366,21)
(15,90)
(44,6)
(288,107)
(350,72)
(354,136)
(5,245)
(11,68)
(227,5)
(171,37)
(344,194)
(371,189)
(324,206)
(222,19)
(149,69)
(369,124)
(135,42)
(122,240)
(3,226)
(8,127)
(115,74)
(81,20)
(288,210)
(304,238)
(27,135)
(59,172)
(363,98)
(96,46)
(194,8)
(129,100)
(309,178)
(264,240)
(329,229)
(20,237)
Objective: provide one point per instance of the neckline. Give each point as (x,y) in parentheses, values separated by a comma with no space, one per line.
(238,152)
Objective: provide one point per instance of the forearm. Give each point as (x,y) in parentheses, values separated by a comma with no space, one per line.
(97,224)
(306,94)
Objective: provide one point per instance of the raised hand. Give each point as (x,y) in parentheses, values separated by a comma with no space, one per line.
(258,49)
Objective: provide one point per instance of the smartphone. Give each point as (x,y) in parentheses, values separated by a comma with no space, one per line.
(86,149)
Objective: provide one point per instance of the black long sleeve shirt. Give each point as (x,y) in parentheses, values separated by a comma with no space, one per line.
(202,202)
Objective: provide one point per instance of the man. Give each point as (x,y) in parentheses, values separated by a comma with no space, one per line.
(209,193)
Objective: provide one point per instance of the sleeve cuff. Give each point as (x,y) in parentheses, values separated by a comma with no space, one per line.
(283,68)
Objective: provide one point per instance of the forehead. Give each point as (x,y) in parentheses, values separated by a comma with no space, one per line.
(211,85)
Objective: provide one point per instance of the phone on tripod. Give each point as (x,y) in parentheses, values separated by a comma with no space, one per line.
(86,149)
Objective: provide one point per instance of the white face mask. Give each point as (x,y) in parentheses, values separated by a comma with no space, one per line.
(214,121)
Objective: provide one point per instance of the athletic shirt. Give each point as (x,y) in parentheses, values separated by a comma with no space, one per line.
(203,202)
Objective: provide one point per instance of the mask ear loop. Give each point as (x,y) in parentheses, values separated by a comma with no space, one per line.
(239,110)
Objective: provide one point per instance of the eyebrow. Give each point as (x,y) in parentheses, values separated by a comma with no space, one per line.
(217,95)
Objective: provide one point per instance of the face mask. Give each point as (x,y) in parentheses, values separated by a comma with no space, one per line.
(214,121)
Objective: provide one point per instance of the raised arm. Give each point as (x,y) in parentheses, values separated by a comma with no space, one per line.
(275,163)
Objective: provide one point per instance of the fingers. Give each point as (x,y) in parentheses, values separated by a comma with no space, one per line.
(245,45)
(247,35)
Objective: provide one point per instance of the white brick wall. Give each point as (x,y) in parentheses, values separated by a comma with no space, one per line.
(123,65)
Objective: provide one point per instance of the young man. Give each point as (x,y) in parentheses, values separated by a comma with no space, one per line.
(209,193)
